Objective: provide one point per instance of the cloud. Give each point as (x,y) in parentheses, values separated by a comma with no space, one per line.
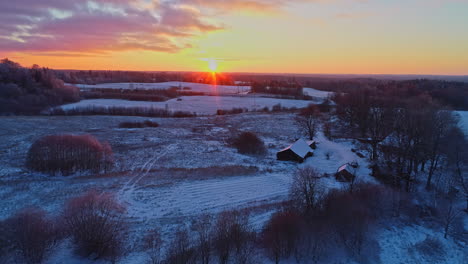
(104,26)
(65,27)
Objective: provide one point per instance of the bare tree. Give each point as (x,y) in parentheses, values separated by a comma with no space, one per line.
(456,149)
(203,229)
(441,124)
(153,244)
(231,234)
(180,250)
(447,210)
(306,190)
(308,121)
(281,235)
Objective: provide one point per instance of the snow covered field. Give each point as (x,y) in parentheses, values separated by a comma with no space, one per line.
(168,175)
(463,120)
(202,105)
(316,93)
(195,87)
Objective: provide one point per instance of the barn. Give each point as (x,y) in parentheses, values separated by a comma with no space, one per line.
(344,173)
(298,151)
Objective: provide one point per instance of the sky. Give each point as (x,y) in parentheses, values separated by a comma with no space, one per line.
(267,36)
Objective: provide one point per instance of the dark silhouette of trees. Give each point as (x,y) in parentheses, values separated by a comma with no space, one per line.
(28,91)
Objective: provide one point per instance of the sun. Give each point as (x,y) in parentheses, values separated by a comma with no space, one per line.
(213,65)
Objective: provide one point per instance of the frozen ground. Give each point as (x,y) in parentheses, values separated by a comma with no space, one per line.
(195,87)
(316,93)
(463,120)
(202,105)
(170,174)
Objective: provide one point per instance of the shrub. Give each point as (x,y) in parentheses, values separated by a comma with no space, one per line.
(231,234)
(31,234)
(180,250)
(203,230)
(249,143)
(349,218)
(153,244)
(281,234)
(144,124)
(69,153)
(94,223)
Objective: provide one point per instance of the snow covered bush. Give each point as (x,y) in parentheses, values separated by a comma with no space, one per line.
(249,143)
(94,222)
(67,154)
(30,234)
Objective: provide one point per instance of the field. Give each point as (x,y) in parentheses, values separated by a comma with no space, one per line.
(202,105)
(194,87)
(168,175)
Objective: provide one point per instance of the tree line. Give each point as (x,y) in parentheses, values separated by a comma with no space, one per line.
(30,90)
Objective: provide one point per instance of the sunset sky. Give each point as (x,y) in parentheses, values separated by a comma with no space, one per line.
(278,36)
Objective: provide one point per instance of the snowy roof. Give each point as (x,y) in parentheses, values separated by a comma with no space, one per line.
(343,167)
(309,142)
(300,147)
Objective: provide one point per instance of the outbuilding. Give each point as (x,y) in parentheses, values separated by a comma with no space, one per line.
(299,151)
(345,173)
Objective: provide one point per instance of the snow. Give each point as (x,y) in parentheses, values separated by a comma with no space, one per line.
(203,105)
(397,246)
(195,87)
(463,120)
(342,167)
(166,177)
(300,147)
(316,93)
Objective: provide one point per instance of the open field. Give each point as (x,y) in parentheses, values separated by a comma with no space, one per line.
(194,87)
(202,105)
(173,173)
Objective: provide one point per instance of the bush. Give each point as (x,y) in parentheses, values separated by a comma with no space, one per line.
(94,223)
(153,244)
(231,234)
(31,234)
(68,154)
(144,124)
(281,234)
(180,250)
(249,143)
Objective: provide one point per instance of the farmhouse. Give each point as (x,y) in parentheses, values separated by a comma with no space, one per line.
(344,173)
(298,151)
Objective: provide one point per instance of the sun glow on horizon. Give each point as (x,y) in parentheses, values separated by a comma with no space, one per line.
(213,65)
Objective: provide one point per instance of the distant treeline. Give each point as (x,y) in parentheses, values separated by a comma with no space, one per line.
(119,111)
(30,90)
(451,94)
(96,77)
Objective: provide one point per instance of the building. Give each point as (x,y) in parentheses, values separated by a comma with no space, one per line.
(299,151)
(345,173)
